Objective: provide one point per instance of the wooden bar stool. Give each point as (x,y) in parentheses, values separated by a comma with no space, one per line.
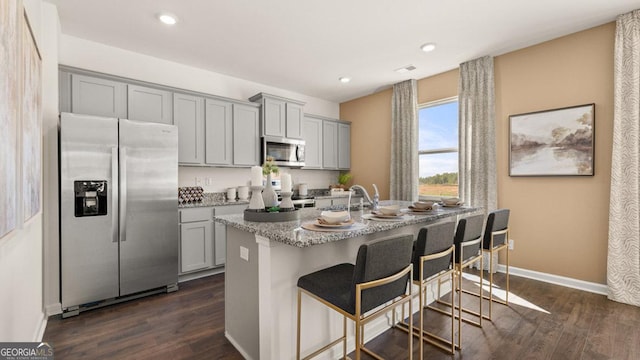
(379,277)
(432,260)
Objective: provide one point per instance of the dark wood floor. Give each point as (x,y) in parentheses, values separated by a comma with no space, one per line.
(189,324)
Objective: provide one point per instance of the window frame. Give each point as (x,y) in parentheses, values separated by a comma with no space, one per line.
(440,150)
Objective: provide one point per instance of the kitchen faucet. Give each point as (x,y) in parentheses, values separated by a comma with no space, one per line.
(372,202)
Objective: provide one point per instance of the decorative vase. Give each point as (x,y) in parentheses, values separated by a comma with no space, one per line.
(269,195)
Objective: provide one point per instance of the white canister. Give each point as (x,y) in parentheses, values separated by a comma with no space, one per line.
(243,192)
(302,189)
(231,194)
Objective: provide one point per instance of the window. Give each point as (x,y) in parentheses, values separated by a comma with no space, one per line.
(438,149)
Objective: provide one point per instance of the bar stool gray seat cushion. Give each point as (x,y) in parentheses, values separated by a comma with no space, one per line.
(375,260)
(496,221)
(432,239)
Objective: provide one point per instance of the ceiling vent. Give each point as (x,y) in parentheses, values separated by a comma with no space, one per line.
(405,69)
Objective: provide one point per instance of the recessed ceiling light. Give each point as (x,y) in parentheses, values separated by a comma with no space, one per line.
(167,19)
(428,47)
(344,79)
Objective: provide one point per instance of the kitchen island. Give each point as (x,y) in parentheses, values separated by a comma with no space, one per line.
(264,262)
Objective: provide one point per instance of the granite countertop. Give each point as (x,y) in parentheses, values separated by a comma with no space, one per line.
(212,202)
(291,232)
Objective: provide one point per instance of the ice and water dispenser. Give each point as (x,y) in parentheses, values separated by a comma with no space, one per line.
(90,197)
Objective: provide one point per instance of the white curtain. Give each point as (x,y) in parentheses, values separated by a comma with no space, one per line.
(477,149)
(623,264)
(404,141)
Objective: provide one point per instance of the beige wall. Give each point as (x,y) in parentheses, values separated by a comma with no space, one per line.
(370,140)
(559,224)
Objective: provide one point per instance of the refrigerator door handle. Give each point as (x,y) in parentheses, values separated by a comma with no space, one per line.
(123,194)
(114,193)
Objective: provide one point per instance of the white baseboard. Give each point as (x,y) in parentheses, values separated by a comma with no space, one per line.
(596,288)
(41,328)
(237,346)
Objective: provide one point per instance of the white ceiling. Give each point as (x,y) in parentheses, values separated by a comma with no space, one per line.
(306,45)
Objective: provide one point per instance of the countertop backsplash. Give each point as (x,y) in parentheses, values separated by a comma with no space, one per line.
(194,196)
(190,194)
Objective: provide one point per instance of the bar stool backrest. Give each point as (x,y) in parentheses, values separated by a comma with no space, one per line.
(379,259)
(496,221)
(433,239)
(469,228)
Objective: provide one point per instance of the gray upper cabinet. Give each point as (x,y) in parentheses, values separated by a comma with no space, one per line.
(96,96)
(188,116)
(344,146)
(312,135)
(219,132)
(281,117)
(212,130)
(330,145)
(149,104)
(294,121)
(336,142)
(274,117)
(246,135)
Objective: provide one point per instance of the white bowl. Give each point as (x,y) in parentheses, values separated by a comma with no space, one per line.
(450,201)
(423,204)
(389,209)
(334,217)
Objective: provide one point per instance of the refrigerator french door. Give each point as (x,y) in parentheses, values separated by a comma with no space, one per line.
(118,208)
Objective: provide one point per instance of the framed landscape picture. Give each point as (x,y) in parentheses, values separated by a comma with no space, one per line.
(557,142)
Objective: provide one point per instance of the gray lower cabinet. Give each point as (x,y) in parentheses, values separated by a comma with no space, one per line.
(312,135)
(188,116)
(221,232)
(96,96)
(246,135)
(323,203)
(330,145)
(149,104)
(344,146)
(341,200)
(196,239)
(219,132)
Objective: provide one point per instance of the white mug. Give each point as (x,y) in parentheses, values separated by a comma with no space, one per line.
(231,194)
(243,192)
(302,189)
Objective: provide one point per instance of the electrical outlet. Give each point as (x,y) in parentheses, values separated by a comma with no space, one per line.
(207,181)
(511,244)
(244,253)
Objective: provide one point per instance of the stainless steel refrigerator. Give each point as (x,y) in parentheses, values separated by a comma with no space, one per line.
(118,210)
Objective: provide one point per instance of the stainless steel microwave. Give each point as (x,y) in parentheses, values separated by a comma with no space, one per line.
(285,152)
